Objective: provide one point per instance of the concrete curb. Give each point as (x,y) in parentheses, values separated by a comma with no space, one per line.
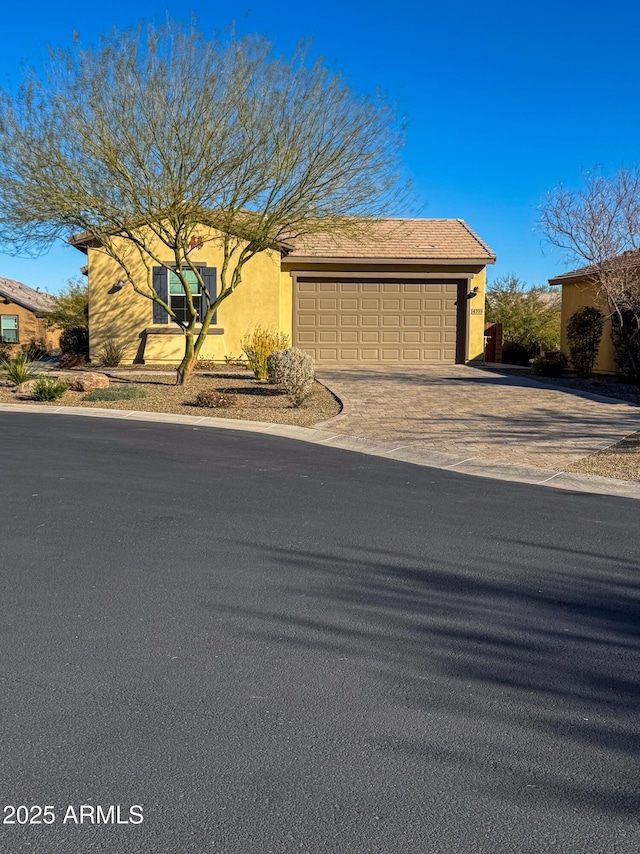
(408,453)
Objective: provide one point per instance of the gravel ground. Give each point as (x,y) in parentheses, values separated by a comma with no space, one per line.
(256,401)
(621,461)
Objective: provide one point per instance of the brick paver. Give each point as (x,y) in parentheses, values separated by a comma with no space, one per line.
(477,414)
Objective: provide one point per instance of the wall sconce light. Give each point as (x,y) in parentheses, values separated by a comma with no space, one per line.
(473,293)
(119,285)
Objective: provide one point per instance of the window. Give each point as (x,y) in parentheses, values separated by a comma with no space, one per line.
(9,328)
(169,288)
(178,299)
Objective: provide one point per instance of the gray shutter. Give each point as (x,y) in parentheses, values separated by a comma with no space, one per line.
(161,287)
(209,277)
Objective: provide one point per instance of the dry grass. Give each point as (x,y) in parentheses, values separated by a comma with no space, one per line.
(257,401)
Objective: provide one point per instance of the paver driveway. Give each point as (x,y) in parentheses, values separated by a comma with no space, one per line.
(477,413)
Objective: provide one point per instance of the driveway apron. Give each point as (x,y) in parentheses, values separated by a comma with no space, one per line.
(477,413)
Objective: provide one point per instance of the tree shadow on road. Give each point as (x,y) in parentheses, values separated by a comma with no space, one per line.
(529,664)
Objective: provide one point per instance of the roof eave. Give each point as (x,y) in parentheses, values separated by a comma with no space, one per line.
(80,242)
(567,278)
(364,259)
(21,302)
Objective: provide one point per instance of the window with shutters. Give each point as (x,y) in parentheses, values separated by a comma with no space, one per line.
(169,288)
(178,298)
(9,328)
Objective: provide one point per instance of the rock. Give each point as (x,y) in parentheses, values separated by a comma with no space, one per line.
(25,389)
(84,381)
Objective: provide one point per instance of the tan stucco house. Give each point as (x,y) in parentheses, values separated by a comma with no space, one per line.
(579,290)
(20,321)
(411,291)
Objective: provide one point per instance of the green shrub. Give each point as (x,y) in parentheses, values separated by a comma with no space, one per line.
(293,370)
(75,340)
(584,331)
(17,369)
(514,353)
(126,392)
(111,353)
(259,345)
(215,399)
(48,388)
(552,364)
(625,335)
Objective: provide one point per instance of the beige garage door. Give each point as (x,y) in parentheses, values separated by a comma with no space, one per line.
(372,322)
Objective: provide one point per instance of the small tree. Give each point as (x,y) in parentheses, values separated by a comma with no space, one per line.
(70,306)
(584,331)
(156,133)
(529,316)
(599,225)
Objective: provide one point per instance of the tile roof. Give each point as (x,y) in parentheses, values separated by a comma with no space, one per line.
(27,297)
(629,260)
(420,239)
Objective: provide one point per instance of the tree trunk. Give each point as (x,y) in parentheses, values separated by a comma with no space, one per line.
(185,369)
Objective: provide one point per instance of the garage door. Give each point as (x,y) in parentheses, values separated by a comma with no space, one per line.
(371,322)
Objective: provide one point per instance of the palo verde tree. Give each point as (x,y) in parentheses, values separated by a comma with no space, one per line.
(598,225)
(70,306)
(156,136)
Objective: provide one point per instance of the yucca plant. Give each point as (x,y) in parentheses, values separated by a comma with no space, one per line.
(259,345)
(17,369)
(111,353)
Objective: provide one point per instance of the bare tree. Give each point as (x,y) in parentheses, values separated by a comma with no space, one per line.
(155,133)
(599,226)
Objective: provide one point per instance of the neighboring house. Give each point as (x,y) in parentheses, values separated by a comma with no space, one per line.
(578,290)
(20,316)
(411,292)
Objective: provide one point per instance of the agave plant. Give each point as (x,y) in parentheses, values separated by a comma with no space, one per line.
(17,369)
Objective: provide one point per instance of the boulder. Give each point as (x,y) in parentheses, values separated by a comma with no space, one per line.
(84,381)
(25,389)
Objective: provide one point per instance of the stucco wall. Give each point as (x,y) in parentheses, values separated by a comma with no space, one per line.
(575,296)
(30,327)
(475,318)
(127,317)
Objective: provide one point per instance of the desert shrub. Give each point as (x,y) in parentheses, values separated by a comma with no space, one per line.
(625,336)
(584,331)
(111,353)
(293,370)
(552,364)
(127,392)
(205,365)
(35,350)
(215,399)
(75,340)
(259,345)
(235,360)
(69,361)
(48,388)
(514,353)
(17,369)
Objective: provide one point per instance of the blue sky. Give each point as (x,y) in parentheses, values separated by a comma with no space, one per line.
(504,100)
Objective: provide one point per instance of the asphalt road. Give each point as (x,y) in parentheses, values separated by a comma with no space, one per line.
(278,647)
